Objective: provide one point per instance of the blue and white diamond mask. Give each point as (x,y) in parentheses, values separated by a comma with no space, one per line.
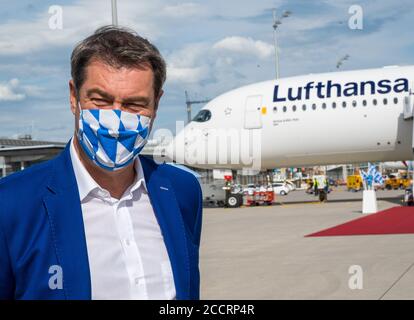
(112,138)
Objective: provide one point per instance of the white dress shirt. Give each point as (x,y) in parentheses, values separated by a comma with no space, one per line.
(126,250)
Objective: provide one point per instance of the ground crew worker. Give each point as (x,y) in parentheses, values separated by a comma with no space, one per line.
(315,186)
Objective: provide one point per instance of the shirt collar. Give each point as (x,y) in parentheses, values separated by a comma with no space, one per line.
(86,184)
(139,176)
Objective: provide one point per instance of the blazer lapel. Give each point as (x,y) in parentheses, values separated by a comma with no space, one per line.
(65,214)
(171,223)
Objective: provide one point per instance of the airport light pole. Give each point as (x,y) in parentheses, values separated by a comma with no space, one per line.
(114,13)
(277,22)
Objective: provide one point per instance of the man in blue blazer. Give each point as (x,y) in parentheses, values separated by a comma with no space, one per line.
(100,221)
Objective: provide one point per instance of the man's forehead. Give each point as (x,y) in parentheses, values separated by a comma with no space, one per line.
(102,63)
(123,80)
(143,71)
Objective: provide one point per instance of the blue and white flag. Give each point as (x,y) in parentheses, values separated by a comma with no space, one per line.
(372,175)
(378,178)
(364,175)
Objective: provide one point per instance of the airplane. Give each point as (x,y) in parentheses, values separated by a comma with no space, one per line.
(398,165)
(316,119)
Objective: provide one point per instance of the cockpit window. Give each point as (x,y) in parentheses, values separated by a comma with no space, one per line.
(202,116)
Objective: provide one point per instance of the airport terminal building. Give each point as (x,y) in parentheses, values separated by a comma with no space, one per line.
(18,154)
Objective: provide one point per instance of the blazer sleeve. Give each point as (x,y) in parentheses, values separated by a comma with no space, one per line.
(6,273)
(199,216)
(187,190)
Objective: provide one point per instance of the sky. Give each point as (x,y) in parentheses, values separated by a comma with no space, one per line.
(210,47)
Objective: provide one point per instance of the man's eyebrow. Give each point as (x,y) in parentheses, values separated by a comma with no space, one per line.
(143,99)
(108,96)
(103,94)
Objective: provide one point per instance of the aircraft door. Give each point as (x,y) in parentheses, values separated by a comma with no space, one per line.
(252,112)
(409,105)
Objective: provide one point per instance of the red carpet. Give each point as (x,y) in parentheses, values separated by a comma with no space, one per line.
(392,221)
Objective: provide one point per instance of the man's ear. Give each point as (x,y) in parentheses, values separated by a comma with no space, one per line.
(157,100)
(73,97)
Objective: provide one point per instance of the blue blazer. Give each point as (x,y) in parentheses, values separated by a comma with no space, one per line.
(41,225)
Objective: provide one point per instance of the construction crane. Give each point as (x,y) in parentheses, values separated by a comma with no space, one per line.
(189,103)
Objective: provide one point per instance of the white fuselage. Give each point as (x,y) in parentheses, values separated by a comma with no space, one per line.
(317,119)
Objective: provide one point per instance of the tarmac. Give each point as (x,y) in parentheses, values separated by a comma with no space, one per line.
(262,253)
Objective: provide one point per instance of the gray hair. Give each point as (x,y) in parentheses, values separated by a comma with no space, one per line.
(117,47)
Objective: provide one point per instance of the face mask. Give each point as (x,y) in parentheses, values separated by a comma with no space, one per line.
(112,138)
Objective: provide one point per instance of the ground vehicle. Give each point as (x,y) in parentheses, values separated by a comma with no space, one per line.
(222,194)
(234,193)
(250,188)
(354,183)
(378,186)
(213,194)
(280,188)
(259,197)
(408,196)
(237,188)
(234,200)
(395,181)
(406,182)
(290,185)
